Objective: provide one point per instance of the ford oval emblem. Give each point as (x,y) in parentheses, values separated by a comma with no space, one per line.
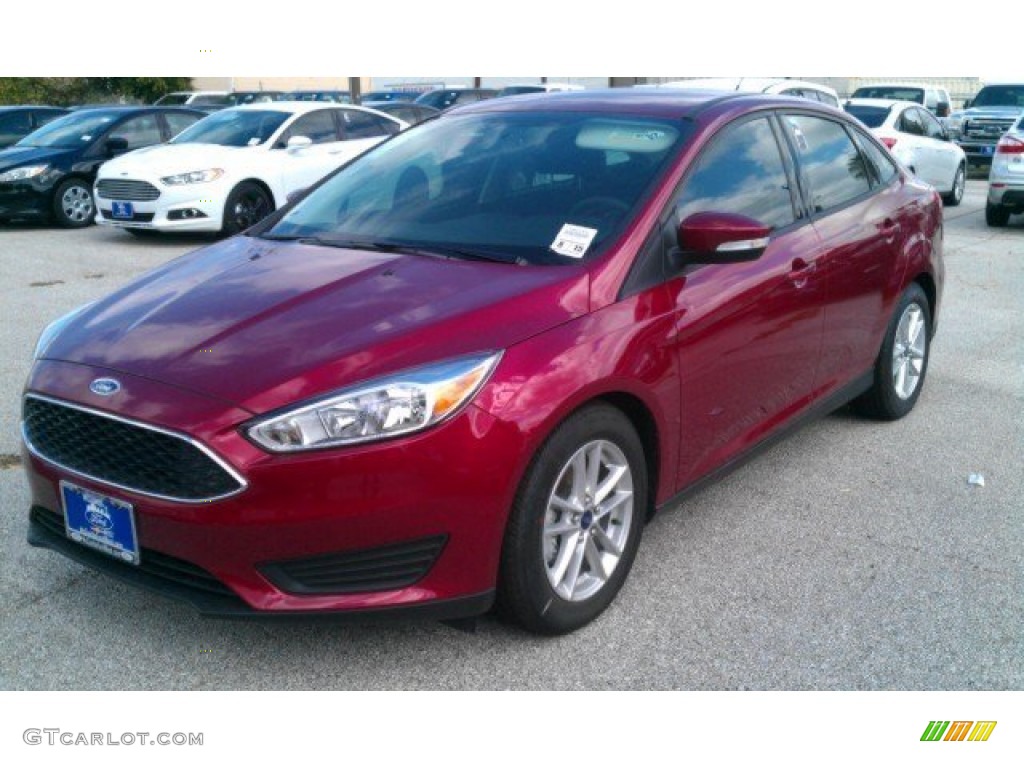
(105,387)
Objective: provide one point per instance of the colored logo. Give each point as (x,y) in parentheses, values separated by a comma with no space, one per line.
(958,730)
(105,387)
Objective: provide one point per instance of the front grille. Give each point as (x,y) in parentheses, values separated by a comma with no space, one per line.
(368,570)
(987,127)
(154,563)
(135,191)
(128,455)
(142,218)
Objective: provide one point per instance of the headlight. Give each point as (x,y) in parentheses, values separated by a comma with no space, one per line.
(193,177)
(394,405)
(25,172)
(51,331)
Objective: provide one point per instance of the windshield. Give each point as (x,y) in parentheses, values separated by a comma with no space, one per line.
(872,117)
(1000,96)
(437,99)
(388,96)
(525,187)
(233,128)
(890,92)
(70,131)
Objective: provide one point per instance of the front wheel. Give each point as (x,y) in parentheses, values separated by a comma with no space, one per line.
(956,194)
(903,360)
(73,205)
(247,204)
(576,523)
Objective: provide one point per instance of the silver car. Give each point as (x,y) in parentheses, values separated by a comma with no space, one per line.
(1006,179)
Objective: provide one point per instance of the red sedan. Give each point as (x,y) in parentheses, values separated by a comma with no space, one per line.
(471,364)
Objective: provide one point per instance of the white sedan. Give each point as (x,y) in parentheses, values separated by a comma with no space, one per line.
(229,170)
(918,141)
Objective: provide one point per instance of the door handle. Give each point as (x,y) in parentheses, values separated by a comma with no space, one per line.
(799,270)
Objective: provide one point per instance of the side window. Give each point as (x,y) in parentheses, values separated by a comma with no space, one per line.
(932,129)
(741,172)
(910,123)
(832,167)
(139,132)
(360,125)
(178,122)
(14,125)
(318,126)
(797,92)
(882,167)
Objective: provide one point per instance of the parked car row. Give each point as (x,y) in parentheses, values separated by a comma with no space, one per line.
(220,172)
(468,366)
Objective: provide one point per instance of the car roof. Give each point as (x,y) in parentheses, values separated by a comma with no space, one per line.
(659,102)
(900,84)
(293,107)
(882,103)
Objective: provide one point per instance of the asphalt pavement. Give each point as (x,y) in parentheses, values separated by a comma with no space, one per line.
(853,555)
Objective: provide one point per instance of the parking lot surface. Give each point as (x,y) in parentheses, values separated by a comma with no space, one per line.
(853,555)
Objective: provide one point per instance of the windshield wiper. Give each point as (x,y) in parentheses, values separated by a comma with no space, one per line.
(384,246)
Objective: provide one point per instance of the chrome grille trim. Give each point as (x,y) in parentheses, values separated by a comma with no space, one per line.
(235,475)
(126,189)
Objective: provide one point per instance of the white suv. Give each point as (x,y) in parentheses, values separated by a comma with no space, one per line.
(935,100)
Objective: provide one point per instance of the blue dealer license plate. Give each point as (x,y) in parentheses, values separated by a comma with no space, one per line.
(122,210)
(100,522)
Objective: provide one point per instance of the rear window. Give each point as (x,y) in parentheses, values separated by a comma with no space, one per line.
(872,117)
(890,92)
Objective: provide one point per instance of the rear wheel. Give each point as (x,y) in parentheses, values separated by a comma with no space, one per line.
(996,215)
(576,524)
(73,205)
(956,194)
(903,360)
(247,204)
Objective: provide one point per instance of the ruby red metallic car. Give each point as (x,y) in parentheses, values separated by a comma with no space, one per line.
(471,364)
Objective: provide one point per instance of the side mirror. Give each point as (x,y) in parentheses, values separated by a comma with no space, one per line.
(967,103)
(116,146)
(942,109)
(296,143)
(297,194)
(721,238)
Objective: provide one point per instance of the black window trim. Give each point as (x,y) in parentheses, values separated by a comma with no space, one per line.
(872,189)
(634,283)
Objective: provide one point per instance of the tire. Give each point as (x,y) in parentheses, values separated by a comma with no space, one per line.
(559,568)
(996,215)
(73,204)
(956,194)
(903,356)
(246,205)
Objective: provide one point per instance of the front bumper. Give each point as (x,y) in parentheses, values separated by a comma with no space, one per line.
(162,214)
(29,199)
(454,481)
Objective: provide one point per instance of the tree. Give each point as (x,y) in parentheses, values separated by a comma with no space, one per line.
(65,91)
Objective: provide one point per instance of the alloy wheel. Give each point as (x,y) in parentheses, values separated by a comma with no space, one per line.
(587,520)
(908,351)
(76,203)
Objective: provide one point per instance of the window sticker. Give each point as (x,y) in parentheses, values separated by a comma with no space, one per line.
(573,241)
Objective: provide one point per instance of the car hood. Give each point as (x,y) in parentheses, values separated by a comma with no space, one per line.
(170,159)
(262,324)
(13,157)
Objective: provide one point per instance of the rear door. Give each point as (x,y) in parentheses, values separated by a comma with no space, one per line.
(748,335)
(856,218)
